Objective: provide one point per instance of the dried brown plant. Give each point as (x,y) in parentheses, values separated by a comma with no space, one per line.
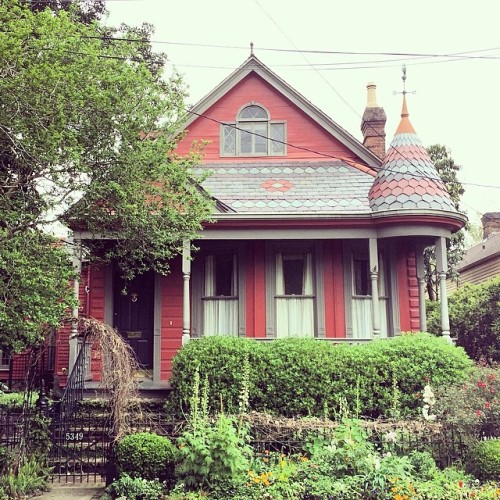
(119,367)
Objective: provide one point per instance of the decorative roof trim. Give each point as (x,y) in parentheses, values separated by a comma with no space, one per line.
(253,64)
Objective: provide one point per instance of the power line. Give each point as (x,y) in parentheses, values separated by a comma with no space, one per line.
(326,155)
(460,55)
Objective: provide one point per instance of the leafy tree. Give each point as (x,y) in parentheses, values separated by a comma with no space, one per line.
(448,170)
(90,123)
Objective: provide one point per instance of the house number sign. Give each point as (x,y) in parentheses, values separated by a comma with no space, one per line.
(134,335)
(74,436)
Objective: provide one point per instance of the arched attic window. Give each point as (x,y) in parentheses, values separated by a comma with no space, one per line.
(253,134)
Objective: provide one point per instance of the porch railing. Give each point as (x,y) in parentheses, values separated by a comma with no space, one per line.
(75,385)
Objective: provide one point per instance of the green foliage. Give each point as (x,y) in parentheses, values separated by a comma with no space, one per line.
(306,377)
(30,477)
(34,283)
(4,458)
(11,399)
(474,319)
(484,460)
(424,465)
(213,452)
(448,170)
(88,119)
(132,488)
(146,455)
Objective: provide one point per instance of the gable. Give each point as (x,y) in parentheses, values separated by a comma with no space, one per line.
(312,141)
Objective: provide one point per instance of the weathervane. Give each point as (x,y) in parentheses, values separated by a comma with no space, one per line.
(251,48)
(403,68)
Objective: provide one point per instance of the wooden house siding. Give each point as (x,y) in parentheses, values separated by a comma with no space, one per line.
(407,286)
(97,299)
(300,129)
(171,317)
(478,274)
(333,274)
(255,290)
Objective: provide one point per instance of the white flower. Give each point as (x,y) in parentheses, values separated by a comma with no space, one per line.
(428,396)
(391,437)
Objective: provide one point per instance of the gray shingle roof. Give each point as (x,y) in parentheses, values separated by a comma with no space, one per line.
(269,187)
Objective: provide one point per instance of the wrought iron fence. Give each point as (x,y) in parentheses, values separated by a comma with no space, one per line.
(81,444)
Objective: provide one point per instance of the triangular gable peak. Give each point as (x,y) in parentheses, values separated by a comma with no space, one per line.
(352,151)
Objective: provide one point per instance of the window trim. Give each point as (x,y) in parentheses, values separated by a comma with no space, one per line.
(236,124)
(198,287)
(315,249)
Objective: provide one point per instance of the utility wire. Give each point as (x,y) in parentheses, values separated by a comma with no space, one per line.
(326,155)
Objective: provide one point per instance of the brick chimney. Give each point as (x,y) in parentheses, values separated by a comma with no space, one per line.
(373,123)
(491,224)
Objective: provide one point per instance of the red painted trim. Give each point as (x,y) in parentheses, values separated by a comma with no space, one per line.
(413,302)
(365,222)
(333,282)
(171,317)
(403,292)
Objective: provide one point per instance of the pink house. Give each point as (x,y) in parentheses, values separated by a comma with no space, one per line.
(316,235)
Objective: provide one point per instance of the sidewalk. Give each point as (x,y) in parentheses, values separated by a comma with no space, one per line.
(81,491)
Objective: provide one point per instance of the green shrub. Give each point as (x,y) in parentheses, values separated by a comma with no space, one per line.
(307,377)
(474,319)
(424,465)
(484,460)
(146,455)
(132,488)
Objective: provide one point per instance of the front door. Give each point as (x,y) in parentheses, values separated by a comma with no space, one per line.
(134,314)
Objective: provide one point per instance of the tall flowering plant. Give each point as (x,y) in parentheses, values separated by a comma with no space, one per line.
(475,402)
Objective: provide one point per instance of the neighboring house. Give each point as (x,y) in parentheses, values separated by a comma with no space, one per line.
(316,236)
(482,261)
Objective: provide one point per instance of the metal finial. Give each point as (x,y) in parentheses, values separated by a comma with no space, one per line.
(404,92)
(251,48)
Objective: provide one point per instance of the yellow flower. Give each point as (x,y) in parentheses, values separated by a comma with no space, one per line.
(304,459)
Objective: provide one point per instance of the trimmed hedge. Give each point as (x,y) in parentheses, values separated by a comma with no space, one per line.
(146,455)
(308,377)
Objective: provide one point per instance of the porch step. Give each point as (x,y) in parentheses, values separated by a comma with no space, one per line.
(147,390)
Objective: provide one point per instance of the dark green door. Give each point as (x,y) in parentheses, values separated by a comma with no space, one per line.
(134,315)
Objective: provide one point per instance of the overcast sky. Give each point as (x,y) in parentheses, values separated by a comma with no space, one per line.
(457,99)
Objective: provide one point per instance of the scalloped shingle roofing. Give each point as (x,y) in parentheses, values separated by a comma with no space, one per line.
(407,178)
(327,186)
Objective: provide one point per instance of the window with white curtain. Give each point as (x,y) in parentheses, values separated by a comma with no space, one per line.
(362,305)
(294,295)
(220,295)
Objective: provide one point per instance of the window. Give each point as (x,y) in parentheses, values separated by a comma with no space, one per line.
(253,134)
(294,295)
(4,360)
(220,295)
(362,314)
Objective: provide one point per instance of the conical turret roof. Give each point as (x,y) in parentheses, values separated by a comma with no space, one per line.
(407,178)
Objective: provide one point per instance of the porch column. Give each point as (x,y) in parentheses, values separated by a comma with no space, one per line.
(186,303)
(422,315)
(373,251)
(75,249)
(442,269)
